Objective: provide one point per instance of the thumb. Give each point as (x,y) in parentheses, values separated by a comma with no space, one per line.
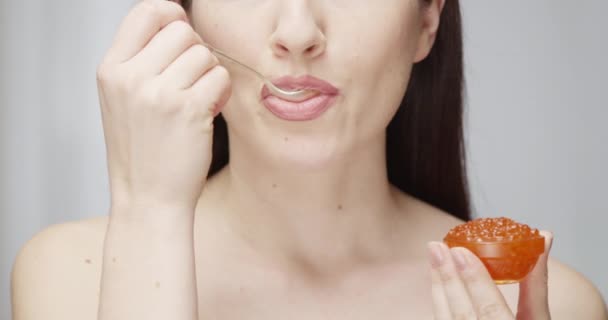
(533,296)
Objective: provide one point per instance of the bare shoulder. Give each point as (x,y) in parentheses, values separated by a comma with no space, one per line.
(56,273)
(572,296)
(431,222)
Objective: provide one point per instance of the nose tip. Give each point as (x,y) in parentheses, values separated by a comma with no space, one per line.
(309,50)
(298,32)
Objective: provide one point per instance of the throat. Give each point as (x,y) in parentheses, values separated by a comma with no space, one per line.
(310,233)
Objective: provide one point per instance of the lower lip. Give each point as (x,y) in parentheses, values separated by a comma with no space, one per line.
(299,111)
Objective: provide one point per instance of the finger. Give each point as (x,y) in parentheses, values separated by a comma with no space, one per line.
(533,297)
(140,25)
(190,66)
(166,46)
(214,89)
(488,301)
(441,309)
(456,294)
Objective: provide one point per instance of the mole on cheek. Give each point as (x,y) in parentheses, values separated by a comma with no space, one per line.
(274,185)
(87,261)
(286,139)
(339,207)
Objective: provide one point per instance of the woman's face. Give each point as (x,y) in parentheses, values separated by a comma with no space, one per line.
(364,48)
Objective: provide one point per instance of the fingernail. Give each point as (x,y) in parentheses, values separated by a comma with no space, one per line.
(459,259)
(435,254)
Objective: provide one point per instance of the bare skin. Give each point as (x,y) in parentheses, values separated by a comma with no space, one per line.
(302,224)
(236,282)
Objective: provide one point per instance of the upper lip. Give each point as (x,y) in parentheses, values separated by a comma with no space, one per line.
(302,83)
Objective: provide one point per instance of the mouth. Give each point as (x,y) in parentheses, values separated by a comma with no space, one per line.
(301,110)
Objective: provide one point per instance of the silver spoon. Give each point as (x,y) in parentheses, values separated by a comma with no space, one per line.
(291,95)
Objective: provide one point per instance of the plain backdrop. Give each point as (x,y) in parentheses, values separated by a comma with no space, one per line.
(536,76)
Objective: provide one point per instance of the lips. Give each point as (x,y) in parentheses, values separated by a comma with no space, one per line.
(302,83)
(308,109)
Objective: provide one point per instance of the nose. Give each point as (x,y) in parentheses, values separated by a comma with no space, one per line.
(298,32)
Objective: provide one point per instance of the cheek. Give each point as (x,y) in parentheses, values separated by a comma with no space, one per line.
(370,51)
(240,29)
(228,24)
(379,59)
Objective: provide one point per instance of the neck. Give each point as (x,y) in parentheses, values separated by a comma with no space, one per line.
(326,218)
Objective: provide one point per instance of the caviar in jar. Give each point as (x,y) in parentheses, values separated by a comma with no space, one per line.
(508,249)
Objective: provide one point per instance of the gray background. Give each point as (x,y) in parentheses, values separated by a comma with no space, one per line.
(536,73)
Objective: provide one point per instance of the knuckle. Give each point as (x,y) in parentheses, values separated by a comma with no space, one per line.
(212,89)
(199,51)
(202,56)
(183,31)
(222,74)
(214,60)
(173,5)
(157,9)
(210,59)
(447,275)
(148,8)
(180,27)
(206,52)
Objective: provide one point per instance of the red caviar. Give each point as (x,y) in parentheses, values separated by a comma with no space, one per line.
(508,249)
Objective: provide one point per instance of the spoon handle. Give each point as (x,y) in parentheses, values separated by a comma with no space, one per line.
(218,52)
(297,95)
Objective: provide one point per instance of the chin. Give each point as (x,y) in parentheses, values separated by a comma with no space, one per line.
(305,153)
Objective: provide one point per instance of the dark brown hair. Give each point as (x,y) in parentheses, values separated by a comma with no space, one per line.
(425,149)
(425,141)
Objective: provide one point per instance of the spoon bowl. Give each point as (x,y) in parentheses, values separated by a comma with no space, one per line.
(290,95)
